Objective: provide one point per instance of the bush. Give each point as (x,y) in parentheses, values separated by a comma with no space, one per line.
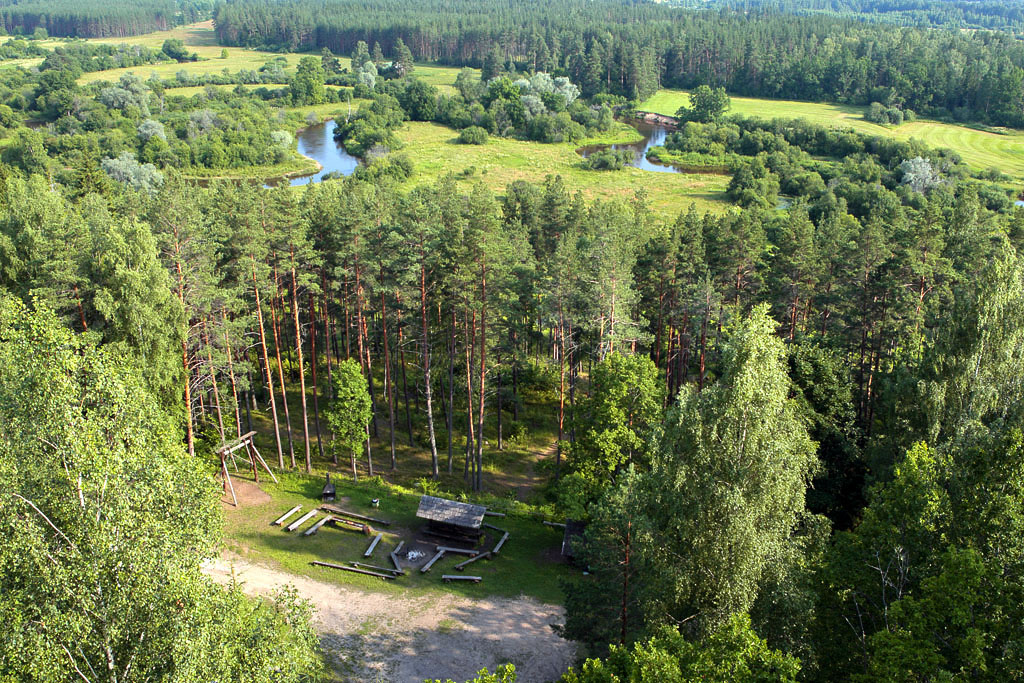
(474,135)
(608,160)
(886,116)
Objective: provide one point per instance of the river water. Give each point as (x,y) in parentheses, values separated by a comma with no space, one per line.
(654,135)
(317,142)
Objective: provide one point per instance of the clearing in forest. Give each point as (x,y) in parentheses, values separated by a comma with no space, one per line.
(406,638)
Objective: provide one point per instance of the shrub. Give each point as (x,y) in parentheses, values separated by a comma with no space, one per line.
(474,135)
(608,160)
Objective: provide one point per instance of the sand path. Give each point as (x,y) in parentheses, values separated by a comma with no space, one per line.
(406,639)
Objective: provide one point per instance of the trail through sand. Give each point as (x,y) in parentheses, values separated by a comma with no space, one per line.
(405,639)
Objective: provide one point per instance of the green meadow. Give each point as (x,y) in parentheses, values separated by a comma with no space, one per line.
(982,149)
(435,151)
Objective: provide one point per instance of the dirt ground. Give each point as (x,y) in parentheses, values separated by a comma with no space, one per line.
(406,639)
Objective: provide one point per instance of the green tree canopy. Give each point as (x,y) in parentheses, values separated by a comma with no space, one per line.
(733,653)
(706,104)
(105,521)
(349,413)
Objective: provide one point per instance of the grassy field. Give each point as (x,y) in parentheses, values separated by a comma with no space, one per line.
(201,39)
(527,565)
(1003,150)
(435,152)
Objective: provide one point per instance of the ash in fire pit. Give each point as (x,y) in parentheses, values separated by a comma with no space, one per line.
(414,555)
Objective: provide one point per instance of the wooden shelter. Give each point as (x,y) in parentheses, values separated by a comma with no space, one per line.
(228,450)
(450,518)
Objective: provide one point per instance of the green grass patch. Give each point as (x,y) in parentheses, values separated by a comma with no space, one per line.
(980,149)
(435,151)
(526,565)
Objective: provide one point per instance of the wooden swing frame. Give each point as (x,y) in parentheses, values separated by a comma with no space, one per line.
(247,442)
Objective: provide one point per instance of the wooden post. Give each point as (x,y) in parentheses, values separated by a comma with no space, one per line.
(263,462)
(227,479)
(252,462)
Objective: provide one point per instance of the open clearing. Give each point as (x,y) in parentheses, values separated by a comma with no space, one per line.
(406,638)
(1003,150)
(435,151)
(201,39)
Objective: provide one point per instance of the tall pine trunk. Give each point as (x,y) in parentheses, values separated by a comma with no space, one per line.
(302,369)
(280,368)
(428,389)
(313,364)
(266,366)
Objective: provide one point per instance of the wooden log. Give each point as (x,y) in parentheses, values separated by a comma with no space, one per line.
(339,511)
(353,569)
(463,551)
(496,528)
(426,568)
(369,551)
(380,569)
(459,577)
(394,556)
(481,556)
(233,446)
(494,514)
(497,548)
(547,523)
(280,520)
(316,527)
(299,522)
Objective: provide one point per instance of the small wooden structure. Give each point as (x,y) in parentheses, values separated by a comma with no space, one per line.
(573,534)
(448,578)
(452,519)
(228,450)
(280,520)
(327,495)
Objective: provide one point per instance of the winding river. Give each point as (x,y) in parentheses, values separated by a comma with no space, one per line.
(653,135)
(317,142)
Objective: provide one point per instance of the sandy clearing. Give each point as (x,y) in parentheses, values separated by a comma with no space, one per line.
(406,639)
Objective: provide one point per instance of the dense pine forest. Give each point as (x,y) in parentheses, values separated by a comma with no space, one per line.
(92,19)
(632,49)
(970,14)
(788,423)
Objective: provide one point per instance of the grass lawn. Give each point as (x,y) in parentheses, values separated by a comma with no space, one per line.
(435,152)
(528,563)
(981,149)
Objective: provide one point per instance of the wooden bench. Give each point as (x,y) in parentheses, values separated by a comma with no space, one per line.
(460,577)
(301,520)
(280,520)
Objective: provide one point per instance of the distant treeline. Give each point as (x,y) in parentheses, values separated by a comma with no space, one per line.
(98,18)
(632,49)
(975,14)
